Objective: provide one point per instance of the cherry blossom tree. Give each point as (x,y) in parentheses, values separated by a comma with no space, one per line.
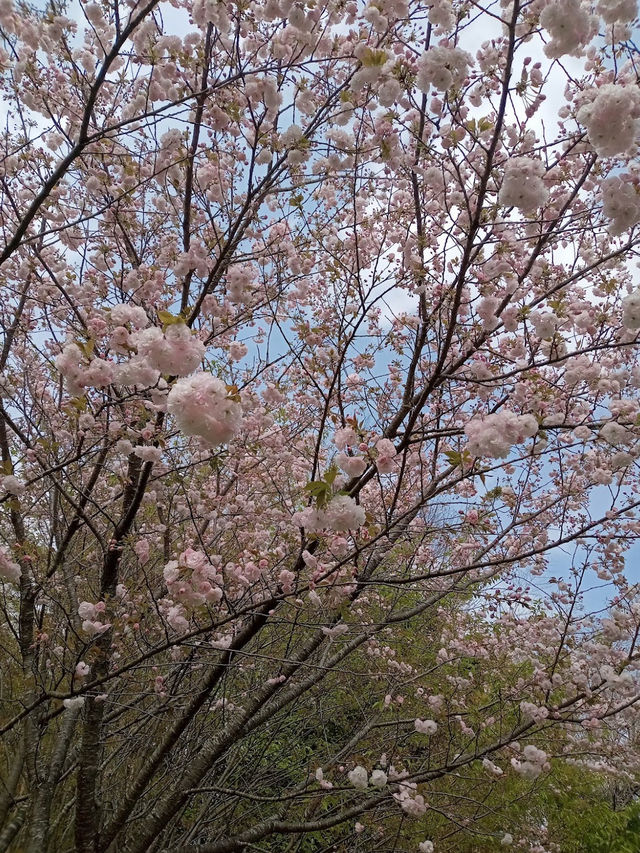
(319,422)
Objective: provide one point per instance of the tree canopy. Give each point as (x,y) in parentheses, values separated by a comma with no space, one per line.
(319,426)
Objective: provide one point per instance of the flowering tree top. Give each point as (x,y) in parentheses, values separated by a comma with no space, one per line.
(319,418)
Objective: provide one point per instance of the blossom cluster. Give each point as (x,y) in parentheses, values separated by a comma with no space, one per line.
(385,456)
(342,513)
(544,323)
(192,580)
(570,25)
(426,727)
(360,779)
(442,67)
(616,434)
(631,310)
(492,768)
(9,569)
(175,351)
(620,204)
(11,484)
(354,466)
(617,11)
(495,434)
(240,282)
(533,765)
(126,312)
(174,614)
(533,712)
(201,406)
(91,615)
(80,373)
(611,118)
(411,803)
(522,185)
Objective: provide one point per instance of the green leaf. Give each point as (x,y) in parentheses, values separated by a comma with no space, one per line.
(86,347)
(320,491)
(493,493)
(330,474)
(373,58)
(169,319)
(454,457)
(233,392)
